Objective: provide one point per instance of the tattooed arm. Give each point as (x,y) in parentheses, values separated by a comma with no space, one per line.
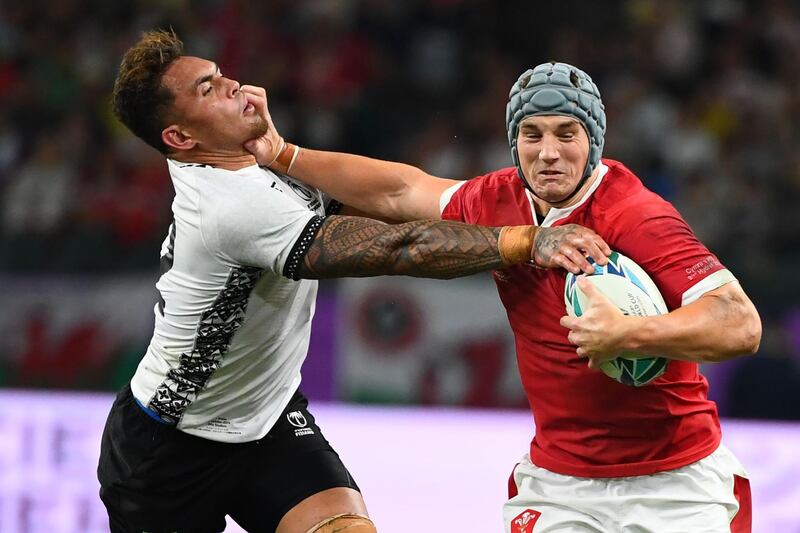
(360,247)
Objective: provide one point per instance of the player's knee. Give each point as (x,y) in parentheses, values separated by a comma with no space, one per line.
(345,523)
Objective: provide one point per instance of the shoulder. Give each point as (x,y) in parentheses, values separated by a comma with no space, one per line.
(498,179)
(225,190)
(468,200)
(243,202)
(623,197)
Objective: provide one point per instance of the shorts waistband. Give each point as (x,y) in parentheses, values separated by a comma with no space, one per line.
(152,414)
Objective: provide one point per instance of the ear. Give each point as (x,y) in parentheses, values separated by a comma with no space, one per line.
(177,138)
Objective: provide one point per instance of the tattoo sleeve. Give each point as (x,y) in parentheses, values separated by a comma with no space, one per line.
(359,247)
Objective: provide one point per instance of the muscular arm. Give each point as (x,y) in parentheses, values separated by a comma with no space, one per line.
(385,189)
(719,325)
(348,246)
(359,247)
(382,189)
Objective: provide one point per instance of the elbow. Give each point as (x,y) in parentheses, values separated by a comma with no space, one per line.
(740,327)
(747,338)
(751,336)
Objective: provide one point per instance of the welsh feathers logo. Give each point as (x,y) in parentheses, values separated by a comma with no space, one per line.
(525,521)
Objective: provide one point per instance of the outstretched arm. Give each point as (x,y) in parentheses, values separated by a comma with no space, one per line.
(359,247)
(719,325)
(388,190)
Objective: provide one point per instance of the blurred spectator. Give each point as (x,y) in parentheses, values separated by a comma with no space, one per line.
(38,198)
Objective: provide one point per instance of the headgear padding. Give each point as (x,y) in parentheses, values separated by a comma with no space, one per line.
(558,89)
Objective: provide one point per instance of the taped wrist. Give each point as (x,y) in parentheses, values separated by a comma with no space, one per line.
(344,522)
(285,159)
(516,244)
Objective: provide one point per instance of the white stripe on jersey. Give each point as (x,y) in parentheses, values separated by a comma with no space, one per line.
(231,331)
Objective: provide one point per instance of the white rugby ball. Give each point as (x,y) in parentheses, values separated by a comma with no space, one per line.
(629,288)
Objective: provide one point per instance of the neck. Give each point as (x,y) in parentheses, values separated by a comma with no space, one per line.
(219,159)
(543,207)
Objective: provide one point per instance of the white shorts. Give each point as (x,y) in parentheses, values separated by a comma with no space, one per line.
(703,497)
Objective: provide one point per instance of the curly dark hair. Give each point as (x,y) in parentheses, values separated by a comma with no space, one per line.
(140,100)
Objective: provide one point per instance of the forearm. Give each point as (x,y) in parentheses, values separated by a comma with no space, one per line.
(720,325)
(380,188)
(357,247)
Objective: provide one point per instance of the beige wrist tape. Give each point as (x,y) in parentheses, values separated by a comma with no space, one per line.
(286,158)
(281,146)
(516,244)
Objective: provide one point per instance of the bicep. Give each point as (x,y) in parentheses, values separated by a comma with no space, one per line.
(419,200)
(381,188)
(345,246)
(423,197)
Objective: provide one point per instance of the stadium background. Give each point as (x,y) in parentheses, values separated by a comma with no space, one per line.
(702,103)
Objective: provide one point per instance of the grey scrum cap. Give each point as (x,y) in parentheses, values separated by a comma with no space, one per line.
(558,89)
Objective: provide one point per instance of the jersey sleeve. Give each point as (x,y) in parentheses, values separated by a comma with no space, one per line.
(461,202)
(652,233)
(260,226)
(332,206)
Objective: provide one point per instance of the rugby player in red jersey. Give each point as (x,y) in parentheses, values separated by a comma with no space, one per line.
(605,455)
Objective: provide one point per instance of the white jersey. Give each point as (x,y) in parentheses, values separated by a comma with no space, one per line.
(232,326)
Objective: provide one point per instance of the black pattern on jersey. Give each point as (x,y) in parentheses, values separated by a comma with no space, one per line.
(334,208)
(298,252)
(213,337)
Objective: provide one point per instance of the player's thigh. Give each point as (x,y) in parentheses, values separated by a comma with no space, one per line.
(154,478)
(291,475)
(543,501)
(703,497)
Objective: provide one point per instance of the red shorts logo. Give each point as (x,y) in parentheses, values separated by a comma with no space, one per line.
(525,521)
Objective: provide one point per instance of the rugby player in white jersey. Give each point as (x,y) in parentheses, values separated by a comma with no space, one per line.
(213,423)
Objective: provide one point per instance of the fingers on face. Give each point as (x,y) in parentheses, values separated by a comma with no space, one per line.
(255,95)
(252,89)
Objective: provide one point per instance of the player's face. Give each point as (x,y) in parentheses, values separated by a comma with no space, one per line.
(210,107)
(553,151)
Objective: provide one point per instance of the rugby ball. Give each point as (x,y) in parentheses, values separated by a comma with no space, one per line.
(628,287)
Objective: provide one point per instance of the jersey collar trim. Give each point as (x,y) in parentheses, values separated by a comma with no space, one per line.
(555,214)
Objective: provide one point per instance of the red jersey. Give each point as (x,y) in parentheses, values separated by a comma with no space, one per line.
(587,424)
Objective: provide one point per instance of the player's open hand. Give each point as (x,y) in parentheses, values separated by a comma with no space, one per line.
(601,331)
(267,147)
(567,247)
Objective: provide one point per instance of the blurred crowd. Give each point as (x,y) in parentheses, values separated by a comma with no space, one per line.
(701,99)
